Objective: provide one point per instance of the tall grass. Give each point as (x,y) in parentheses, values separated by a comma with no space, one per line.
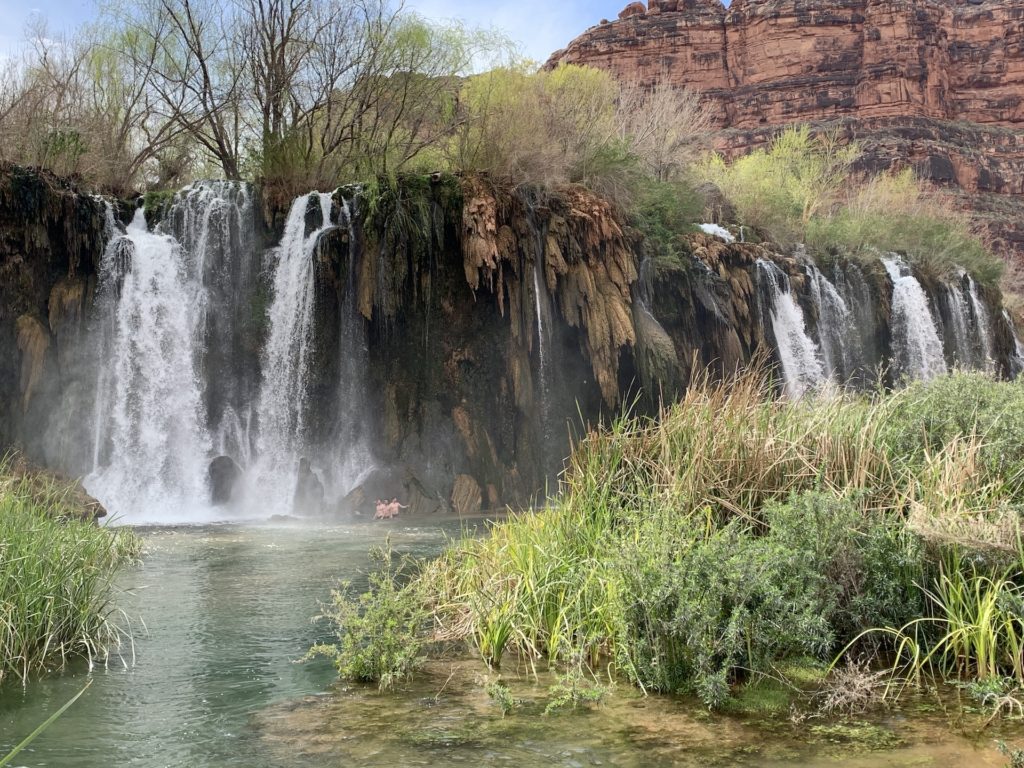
(736,530)
(56,576)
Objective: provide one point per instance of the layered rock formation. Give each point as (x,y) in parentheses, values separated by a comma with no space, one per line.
(460,332)
(936,84)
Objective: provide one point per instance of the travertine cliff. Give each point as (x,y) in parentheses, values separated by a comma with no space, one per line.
(938,84)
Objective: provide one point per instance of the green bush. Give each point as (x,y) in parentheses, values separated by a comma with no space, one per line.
(923,418)
(57,574)
(381,632)
(741,599)
(802,188)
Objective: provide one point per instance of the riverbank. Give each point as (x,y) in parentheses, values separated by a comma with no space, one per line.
(220,615)
(740,536)
(57,571)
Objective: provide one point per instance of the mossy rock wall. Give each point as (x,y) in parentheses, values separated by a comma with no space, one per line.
(51,242)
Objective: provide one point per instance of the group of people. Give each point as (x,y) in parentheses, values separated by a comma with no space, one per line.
(388,509)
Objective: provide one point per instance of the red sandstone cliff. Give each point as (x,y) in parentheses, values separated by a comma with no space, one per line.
(938,84)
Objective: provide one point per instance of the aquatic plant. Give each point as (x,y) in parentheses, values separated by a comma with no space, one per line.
(380,633)
(57,572)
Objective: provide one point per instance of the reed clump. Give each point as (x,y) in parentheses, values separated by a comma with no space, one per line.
(737,532)
(57,570)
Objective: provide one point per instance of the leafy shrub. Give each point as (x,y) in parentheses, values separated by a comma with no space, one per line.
(381,632)
(925,417)
(734,602)
(663,211)
(802,188)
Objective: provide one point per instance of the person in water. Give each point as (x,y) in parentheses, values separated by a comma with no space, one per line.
(394,507)
(381,512)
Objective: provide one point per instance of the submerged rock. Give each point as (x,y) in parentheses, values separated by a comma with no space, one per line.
(309,492)
(222,477)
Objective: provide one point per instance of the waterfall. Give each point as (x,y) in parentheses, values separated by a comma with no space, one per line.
(153,465)
(837,330)
(957,324)
(349,444)
(216,225)
(982,325)
(1017,356)
(115,252)
(282,399)
(916,343)
(801,362)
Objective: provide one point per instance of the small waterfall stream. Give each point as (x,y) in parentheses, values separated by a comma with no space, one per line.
(802,367)
(958,325)
(150,400)
(282,400)
(215,223)
(1016,362)
(837,332)
(982,325)
(916,342)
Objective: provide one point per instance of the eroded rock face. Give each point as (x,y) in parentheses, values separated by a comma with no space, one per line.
(936,84)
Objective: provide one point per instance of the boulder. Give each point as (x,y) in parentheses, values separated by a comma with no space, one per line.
(633,9)
(467,498)
(309,491)
(222,476)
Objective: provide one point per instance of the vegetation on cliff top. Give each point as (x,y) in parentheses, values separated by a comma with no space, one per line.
(740,533)
(56,574)
(804,188)
(315,94)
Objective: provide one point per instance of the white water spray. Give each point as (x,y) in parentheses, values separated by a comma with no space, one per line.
(802,368)
(282,401)
(149,399)
(915,338)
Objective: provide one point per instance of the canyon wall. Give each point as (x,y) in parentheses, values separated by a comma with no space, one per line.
(441,341)
(934,84)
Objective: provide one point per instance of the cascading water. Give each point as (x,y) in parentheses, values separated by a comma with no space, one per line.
(282,406)
(1017,355)
(982,324)
(352,455)
(151,456)
(215,223)
(837,332)
(802,368)
(917,346)
(957,325)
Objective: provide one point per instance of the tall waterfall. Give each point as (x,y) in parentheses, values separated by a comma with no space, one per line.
(282,400)
(152,453)
(350,450)
(802,367)
(916,343)
(215,223)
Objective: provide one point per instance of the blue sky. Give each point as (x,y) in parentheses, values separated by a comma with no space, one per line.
(540,26)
